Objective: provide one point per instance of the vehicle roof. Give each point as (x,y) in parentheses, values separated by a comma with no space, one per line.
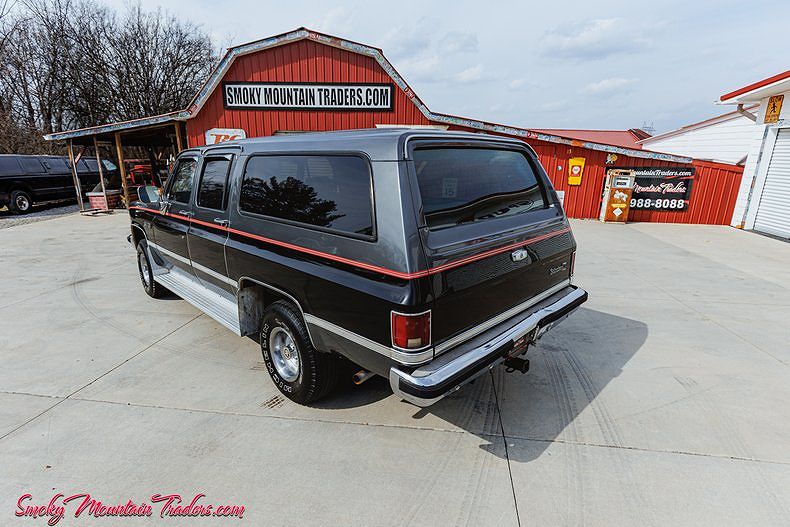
(380,144)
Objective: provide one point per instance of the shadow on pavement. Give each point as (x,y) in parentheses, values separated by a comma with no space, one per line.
(570,367)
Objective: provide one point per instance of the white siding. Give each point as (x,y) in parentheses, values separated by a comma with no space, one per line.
(727,141)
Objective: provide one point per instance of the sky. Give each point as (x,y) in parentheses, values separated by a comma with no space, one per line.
(558,64)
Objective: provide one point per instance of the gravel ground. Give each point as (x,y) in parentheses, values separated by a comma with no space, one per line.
(42,213)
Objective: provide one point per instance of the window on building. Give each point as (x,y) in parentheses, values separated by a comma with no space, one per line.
(464,185)
(211,192)
(181,188)
(332,192)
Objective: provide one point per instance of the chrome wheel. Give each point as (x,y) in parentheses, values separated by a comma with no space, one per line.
(22,203)
(284,354)
(142,264)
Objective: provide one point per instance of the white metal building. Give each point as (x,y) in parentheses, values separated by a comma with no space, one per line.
(764,197)
(724,138)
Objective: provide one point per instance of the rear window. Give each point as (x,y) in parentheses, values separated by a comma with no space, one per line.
(332,192)
(465,185)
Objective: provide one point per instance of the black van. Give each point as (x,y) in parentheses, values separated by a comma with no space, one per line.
(423,257)
(26,180)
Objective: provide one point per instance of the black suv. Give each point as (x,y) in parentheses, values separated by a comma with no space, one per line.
(424,257)
(26,180)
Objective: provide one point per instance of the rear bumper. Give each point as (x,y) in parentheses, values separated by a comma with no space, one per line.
(433,381)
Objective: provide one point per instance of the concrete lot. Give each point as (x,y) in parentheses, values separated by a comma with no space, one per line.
(664,401)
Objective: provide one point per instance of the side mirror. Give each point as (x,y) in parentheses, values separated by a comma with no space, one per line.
(149,194)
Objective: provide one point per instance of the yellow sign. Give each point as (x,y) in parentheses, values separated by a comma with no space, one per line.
(575,170)
(773,109)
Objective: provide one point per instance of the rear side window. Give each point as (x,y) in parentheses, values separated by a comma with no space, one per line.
(332,192)
(465,185)
(31,165)
(211,192)
(57,164)
(9,166)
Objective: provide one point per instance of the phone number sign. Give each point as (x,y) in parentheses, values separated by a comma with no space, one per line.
(661,188)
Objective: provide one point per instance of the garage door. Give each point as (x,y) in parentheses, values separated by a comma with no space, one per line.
(773,214)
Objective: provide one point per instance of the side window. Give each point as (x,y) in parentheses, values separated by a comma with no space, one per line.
(211,192)
(332,191)
(9,166)
(31,165)
(181,188)
(57,164)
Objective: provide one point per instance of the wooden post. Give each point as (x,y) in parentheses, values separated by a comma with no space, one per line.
(179,140)
(77,184)
(122,168)
(101,173)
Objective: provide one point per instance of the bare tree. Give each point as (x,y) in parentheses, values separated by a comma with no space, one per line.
(75,63)
(158,62)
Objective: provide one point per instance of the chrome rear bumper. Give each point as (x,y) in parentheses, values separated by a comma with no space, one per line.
(447,373)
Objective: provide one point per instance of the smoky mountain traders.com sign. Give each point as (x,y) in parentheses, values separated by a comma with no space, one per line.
(307,96)
(661,188)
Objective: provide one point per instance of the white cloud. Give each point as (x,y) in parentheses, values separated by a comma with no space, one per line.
(516,84)
(593,39)
(423,67)
(458,42)
(337,20)
(608,86)
(469,75)
(410,39)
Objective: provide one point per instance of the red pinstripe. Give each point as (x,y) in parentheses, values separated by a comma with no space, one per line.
(363,265)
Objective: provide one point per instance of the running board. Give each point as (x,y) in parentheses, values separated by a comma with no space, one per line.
(221,309)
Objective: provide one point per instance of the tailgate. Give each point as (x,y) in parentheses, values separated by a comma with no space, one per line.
(518,270)
(493,234)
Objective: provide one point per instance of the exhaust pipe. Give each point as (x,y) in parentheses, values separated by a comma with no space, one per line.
(361,376)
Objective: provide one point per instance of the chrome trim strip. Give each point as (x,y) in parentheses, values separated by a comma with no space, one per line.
(429,379)
(199,267)
(488,324)
(411,359)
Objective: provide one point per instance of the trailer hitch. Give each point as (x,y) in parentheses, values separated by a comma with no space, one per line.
(513,364)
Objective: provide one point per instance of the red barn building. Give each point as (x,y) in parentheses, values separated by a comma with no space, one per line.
(305,81)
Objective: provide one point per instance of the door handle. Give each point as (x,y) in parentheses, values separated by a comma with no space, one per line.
(221,221)
(186,213)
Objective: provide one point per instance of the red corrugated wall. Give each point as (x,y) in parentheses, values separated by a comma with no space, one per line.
(302,61)
(713,192)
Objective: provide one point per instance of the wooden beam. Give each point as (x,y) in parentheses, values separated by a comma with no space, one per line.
(122,167)
(77,184)
(101,173)
(179,139)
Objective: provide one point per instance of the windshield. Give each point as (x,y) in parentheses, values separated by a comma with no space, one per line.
(464,185)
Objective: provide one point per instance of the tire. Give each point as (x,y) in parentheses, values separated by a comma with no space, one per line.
(150,286)
(20,202)
(300,372)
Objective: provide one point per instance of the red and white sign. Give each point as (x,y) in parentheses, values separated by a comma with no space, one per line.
(221,135)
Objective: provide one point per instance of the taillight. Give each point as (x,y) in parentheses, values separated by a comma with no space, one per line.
(410,332)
